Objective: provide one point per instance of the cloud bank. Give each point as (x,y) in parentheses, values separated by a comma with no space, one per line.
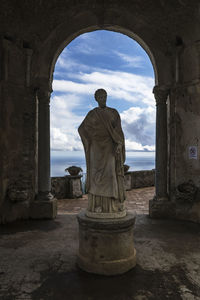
(74,86)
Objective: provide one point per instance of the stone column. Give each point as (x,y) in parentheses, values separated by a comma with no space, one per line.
(161,94)
(44,182)
(159,206)
(45,205)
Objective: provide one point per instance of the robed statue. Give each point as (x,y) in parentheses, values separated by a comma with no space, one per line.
(103,141)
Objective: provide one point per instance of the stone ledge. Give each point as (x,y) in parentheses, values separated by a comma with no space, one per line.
(63,189)
(43,209)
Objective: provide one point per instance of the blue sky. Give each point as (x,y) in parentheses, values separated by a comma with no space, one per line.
(115,62)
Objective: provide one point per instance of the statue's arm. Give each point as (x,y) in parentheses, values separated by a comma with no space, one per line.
(83,129)
(84,135)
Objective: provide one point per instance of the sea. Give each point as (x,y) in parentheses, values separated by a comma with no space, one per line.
(60,160)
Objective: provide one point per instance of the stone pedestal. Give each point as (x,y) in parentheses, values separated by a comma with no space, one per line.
(162,208)
(43,209)
(106,245)
(74,187)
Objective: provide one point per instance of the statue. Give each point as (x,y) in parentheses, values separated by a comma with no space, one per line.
(103,141)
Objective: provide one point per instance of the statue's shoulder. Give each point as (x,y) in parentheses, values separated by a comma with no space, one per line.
(113,110)
(91,112)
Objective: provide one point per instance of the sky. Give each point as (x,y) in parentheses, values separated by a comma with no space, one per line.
(115,62)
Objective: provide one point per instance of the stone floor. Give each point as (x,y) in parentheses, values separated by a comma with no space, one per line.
(38,259)
(137,200)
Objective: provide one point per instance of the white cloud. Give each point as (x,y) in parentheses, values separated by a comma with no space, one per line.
(89,44)
(66,101)
(133,114)
(134,146)
(66,63)
(66,141)
(84,48)
(64,123)
(131,61)
(119,85)
(139,126)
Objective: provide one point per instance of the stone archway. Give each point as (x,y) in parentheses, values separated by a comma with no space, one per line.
(33,35)
(42,74)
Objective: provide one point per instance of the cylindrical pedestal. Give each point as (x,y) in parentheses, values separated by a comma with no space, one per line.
(106,245)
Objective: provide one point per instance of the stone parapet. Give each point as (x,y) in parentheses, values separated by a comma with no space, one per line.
(59,187)
(70,186)
(144,178)
(67,187)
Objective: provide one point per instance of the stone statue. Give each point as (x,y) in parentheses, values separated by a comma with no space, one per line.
(103,141)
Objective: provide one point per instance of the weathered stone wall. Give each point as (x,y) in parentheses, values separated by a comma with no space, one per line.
(184,127)
(185,113)
(66,187)
(187,126)
(18,133)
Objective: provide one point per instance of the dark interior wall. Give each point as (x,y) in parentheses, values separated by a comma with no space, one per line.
(30,29)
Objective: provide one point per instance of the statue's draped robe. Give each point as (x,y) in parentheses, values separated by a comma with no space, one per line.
(101,133)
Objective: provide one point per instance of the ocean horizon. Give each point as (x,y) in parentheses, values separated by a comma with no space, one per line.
(60,160)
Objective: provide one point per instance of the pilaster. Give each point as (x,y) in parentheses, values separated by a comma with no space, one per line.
(160,206)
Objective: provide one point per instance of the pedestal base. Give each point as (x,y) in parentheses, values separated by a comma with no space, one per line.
(161,208)
(74,186)
(43,209)
(106,245)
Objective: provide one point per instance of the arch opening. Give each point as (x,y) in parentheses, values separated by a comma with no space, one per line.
(69,85)
(114,28)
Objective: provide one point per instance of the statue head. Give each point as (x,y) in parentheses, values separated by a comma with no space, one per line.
(101,96)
